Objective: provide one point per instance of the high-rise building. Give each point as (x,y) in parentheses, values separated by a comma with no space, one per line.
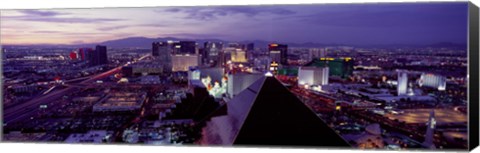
(250,52)
(156,48)
(183,62)
(432,80)
(278,53)
(340,67)
(212,51)
(101,52)
(250,47)
(238,56)
(4,55)
(402,84)
(315,53)
(163,52)
(273,67)
(83,52)
(95,57)
(185,47)
(313,76)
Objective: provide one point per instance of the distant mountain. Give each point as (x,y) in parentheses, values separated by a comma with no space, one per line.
(145,42)
(448,45)
(433,45)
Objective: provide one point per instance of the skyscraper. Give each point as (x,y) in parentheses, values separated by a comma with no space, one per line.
(434,81)
(278,53)
(155,48)
(185,47)
(313,76)
(102,54)
(182,62)
(97,56)
(250,47)
(83,52)
(314,53)
(238,56)
(212,51)
(340,67)
(249,51)
(402,83)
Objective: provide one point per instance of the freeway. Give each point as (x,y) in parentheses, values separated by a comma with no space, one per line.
(29,108)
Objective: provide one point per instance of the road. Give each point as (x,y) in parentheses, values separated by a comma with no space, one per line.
(29,108)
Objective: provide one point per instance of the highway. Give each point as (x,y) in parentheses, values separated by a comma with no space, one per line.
(29,108)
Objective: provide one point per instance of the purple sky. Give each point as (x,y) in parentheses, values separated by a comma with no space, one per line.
(356,24)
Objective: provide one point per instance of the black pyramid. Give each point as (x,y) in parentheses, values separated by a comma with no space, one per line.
(266,113)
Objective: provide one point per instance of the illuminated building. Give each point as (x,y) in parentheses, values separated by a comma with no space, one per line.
(261,63)
(194,74)
(73,55)
(183,62)
(267,113)
(340,67)
(313,76)
(146,69)
(273,67)
(185,47)
(434,81)
(288,71)
(402,83)
(238,56)
(212,51)
(278,53)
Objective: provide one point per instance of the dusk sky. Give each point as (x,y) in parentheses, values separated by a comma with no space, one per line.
(356,24)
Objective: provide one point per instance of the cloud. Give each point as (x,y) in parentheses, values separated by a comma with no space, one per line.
(194,35)
(77,42)
(68,19)
(46,31)
(52,16)
(385,15)
(112,28)
(41,13)
(212,13)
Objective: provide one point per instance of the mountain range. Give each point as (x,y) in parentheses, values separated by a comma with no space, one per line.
(144,42)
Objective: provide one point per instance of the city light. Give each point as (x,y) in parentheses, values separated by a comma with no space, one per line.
(201,78)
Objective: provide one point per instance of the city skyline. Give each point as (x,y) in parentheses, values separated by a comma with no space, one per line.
(365,76)
(367,24)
